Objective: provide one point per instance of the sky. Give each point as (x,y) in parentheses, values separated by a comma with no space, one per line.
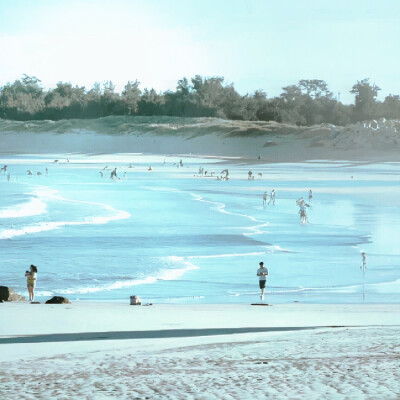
(253,44)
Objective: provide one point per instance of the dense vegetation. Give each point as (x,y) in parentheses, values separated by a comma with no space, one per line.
(307,103)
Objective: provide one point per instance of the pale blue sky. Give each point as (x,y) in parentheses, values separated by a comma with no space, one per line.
(254,44)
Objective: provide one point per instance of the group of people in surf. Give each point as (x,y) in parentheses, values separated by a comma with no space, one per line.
(271,198)
(300,202)
(250,175)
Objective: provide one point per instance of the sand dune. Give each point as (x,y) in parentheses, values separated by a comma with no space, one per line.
(271,141)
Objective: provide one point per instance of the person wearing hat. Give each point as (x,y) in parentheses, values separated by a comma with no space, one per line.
(262,274)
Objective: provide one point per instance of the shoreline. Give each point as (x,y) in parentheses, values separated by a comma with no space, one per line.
(118,317)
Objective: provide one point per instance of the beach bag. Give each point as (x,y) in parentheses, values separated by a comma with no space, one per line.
(136,301)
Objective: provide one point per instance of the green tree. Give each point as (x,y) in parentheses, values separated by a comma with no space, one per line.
(315,88)
(22,99)
(65,101)
(390,108)
(110,101)
(292,105)
(151,103)
(131,97)
(365,106)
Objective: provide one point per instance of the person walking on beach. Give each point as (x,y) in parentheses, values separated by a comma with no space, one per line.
(31,281)
(363,267)
(262,274)
(265,195)
(310,196)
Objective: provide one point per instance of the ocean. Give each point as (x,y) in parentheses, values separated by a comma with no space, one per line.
(172,235)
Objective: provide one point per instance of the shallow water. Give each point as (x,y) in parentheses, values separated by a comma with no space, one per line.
(170,235)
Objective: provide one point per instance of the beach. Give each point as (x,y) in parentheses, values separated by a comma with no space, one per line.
(103,350)
(189,244)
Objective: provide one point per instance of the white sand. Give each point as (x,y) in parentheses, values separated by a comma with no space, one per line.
(89,351)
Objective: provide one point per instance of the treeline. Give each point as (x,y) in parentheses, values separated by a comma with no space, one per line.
(307,103)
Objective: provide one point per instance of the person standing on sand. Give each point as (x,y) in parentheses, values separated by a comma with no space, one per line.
(265,198)
(31,281)
(262,274)
(310,196)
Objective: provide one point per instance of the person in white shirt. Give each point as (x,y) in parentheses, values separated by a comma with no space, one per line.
(262,274)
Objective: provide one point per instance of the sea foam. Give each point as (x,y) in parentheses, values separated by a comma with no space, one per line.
(33,207)
(164,274)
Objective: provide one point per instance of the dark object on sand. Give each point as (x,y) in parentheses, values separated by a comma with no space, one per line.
(136,301)
(4,293)
(58,300)
(260,304)
(7,294)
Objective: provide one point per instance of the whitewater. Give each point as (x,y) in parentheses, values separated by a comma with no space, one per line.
(172,235)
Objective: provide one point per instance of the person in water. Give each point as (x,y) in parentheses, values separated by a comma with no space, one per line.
(31,277)
(114,174)
(272,197)
(364,261)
